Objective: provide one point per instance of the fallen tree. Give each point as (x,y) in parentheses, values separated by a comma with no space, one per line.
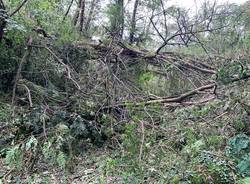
(76,94)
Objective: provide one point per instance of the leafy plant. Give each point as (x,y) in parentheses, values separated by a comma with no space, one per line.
(52,153)
(244,181)
(244,165)
(61,159)
(14,157)
(238,146)
(228,73)
(32,143)
(218,168)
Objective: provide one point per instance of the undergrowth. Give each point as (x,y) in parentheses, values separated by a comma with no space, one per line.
(197,144)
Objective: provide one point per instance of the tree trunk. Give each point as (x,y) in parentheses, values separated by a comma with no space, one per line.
(120,21)
(76,16)
(133,23)
(90,15)
(82,14)
(2,19)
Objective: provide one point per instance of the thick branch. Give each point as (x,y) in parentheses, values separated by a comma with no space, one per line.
(183,96)
(18,74)
(178,99)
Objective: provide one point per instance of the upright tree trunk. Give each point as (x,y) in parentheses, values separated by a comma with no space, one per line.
(82,15)
(2,19)
(133,23)
(120,21)
(76,16)
(90,15)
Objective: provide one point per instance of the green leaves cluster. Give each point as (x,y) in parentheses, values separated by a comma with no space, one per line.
(239,148)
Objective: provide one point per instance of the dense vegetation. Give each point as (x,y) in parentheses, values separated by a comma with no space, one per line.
(124,91)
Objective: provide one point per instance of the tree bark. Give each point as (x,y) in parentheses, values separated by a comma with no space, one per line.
(133,23)
(82,15)
(3,22)
(120,20)
(76,16)
(90,15)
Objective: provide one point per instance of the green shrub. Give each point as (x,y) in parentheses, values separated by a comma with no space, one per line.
(14,157)
(219,168)
(244,165)
(238,146)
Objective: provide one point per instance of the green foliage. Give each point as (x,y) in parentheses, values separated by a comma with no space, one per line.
(52,153)
(48,151)
(238,145)
(240,123)
(38,178)
(109,165)
(14,157)
(131,141)
(153,83)
(61,159)
(32,144)
(228,73)
(244,165)
(244,181)
(146,77)
(154,4)
(150,143)
(190,135)
(195,148)
(66,34)
(5,111)
(115,16)
(218,168)
(246,42)
(215,141)
(8,63)
(79,128)
(51,150)
(195,112)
